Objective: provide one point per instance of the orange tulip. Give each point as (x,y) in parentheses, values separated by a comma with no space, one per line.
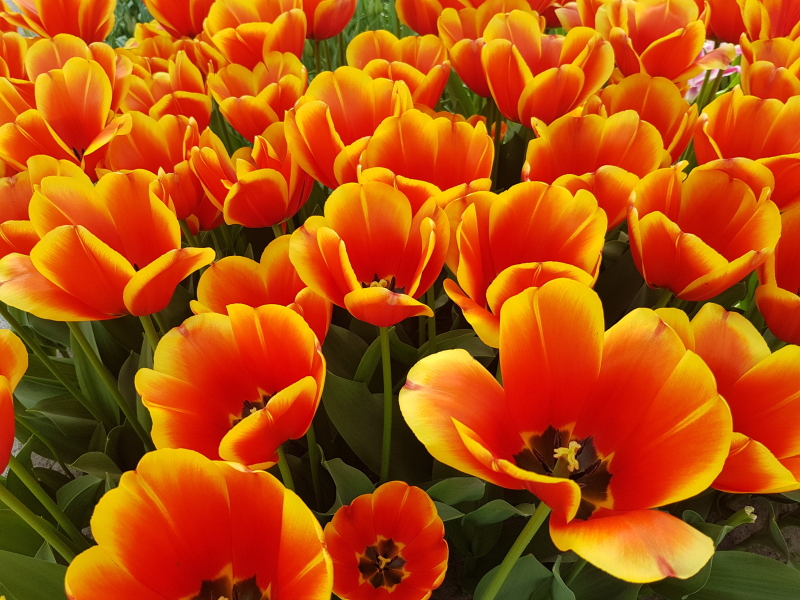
(331,123)
(735,125)
(13,48)
(778,296)
(153,48)
(419,61)
(768,19)
(13,364)
(90,20)
(274,280)
(106,251)
(580,13)
(771,68)
(373,252)
(599,427)
(71,120)
(180,17)
(532,75)
(606,156)
(253,100)
(243,408)
(421,15)
(657,101)
(194,528)
(685,240)
(765,450)
(327,18)
(725,23)
(522,238)
(245,30)
(662,39)
(388,544)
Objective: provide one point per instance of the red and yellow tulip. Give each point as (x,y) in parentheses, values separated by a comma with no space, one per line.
(13,364)
(327,18)
(90,20)
(180,17)
(771,68)
(768,19)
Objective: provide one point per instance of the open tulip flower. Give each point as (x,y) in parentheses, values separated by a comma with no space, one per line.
(328,128)
(245,30)
(662,39)
(419,61)
(657,101)
(698,237)
(725,23)
(180,17)
(768,19)
(604,155)
(273,280)
(765,450)
(778,296)
(421,15)
(253,100)
(182,526)
(13,364)
(532,75)
(599,428)
(327,18)
(90,20)
(106,251)
(522,238)
(245,407)
(374,252)
(771,68)
(735,125)
(388,544)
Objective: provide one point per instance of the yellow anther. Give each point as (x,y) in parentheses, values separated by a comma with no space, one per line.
(569,454)
(383,562)
(382,283)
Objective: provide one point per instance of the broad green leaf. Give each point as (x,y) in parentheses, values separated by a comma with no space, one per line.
(16,535)
(64,405)
(350,482)
(91,384)
(45,553)
(78,498)
(466,339)
(560,589)
(447,512)
(369,362)
(457,489)
(97,464)
(592,583)
(746,576)
(495,512)
(343,350)
(526,577)
(31,579)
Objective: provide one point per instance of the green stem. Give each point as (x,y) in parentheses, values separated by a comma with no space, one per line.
(47,445)
(109,382)
(283,466)
(215,242)
(573,572)
(290,226)
(277,230)
(327,55)
(314,459)
(431,296)
(663,299)
(422,331)
(149,331)
(751,310)
(498,127)
(317,58)
(46,501)
(387,403)
(187,233)
(525,537)
(162,325)
(39,525)
(342,54)
(31,342)
(226,235)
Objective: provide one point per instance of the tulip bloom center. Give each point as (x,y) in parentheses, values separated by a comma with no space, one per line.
(221,589)
(382,564)
(250,407)
(382,282)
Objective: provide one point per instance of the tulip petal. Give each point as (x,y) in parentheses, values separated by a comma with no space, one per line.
(752,469)
(383,308)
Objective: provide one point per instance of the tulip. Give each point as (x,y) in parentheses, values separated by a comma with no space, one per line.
(684,239)
(180,17)
(106,251)
(606,156)
(90,20)
(330,125)
(778,296)
(532,75)
(725,24)
(387,544)
(327,18)
(522,238)
(253,100)
(735,125)
(194,528)
(13,364)
(13,48)
(419,61)
(599,427)
(771,68)
(580,13)
(421,15)
(768,19)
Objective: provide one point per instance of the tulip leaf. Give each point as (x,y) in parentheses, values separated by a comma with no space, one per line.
(447,512)
(16,535)
(592,583)
(28,578)
(97,464)
(527,576)
(457,489)
(45,553)
(465,339)
(495,512)
(78,498)
(745,576)
(91,383)
(350,482)
(560,589)
(369,362)
(343,350)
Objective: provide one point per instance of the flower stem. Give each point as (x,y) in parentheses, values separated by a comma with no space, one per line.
(43,356)
(38,524)
(573,572)
(162,325)
(314,459)
(277,230)
(150,331)
(327,54)
(20,471)
(283,466)
(342,55)
(47,445)
(431,297)
(108,380)
(317,58)
(387,403)
(187,233)
(525,537)
(664,299)
(226,235)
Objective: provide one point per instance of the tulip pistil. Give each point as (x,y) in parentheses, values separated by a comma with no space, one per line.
(382,564)
(566,459)
(250,407)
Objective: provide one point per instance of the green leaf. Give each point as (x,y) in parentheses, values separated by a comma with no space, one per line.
(495,512)
(78,498)
(97,464)
(369,362)
(401,351)
(343,350)
(64,405)
(31,579)
(447,512)
(350,482)
(592,583)
(16,535)
(90,382)
(45,553)
(527,576)
(745,576)
(466,339)
(560,589)
(457,489)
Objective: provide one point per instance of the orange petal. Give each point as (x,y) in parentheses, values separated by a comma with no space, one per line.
(752,469)
(383,308)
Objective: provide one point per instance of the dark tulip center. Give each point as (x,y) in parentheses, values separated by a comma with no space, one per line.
(389,284)
(382,564)
(250,407)
(221,589)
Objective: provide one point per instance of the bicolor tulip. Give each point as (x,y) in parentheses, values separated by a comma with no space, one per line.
(253,100)
(600,428)
(106,251)
(182,526)
(778,296)
(330,125)
(245,407)
(657,101)
(522,238)
(388,544)
(724,22)
(90,20)
(273,280)
(13,48)
(244,30)
(604,155)
(578,13)
(181,18)
(13,364)
(769,19)
(327,18)
(697,236)
(662,39)
(735,125)
(419,61)
(373,253)
(532,75)
(771,68)
(421,15)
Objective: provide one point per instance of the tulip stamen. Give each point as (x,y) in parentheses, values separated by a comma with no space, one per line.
(389,283)
(382,564)
(567,458)
(250,407)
